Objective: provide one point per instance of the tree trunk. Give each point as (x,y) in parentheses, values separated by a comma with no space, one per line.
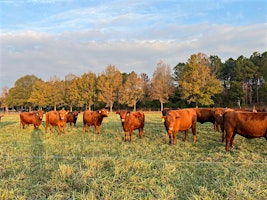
(161,106)
(134,109)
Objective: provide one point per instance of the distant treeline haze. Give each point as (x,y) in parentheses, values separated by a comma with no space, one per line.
(201,81)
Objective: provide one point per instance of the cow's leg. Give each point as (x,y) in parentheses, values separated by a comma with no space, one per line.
(170,137)
(125,136)
(46,127)
(174,137)
(140,132)
(223,137)
(228,137)
(84,127)
(232,140)
(58,127)
(185,135)
(131,132)
(194,131)
(98,129)
(23,125)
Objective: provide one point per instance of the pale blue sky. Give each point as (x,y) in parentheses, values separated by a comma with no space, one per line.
(57,37)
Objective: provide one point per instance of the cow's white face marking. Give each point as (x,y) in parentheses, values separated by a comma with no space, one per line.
(122,120)
(170,128)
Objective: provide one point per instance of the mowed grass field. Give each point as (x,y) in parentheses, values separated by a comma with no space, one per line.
(78,165)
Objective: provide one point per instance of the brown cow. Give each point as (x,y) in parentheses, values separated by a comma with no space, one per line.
(205,115)
(94,118)
(56,118)
(131,121)
(33,117)
(247,124)
(72,117)
(180,120)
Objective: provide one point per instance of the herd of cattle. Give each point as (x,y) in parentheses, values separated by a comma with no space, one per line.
(245,123)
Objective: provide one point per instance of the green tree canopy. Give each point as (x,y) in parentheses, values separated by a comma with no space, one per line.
(132,90)
(20,94)
(196,82)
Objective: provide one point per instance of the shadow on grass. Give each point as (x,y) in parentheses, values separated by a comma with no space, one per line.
(6,123)
(38,172)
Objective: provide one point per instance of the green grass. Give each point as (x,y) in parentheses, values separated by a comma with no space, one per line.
(78,165)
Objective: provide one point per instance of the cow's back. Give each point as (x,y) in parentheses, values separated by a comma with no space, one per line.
(136,120)
(247,124)
(87,117)
(52,117)
(188,117)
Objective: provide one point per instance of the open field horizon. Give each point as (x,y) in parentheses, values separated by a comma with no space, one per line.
(79,165)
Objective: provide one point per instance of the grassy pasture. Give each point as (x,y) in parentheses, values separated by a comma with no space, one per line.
(78,165)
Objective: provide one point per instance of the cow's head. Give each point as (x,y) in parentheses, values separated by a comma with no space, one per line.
(62,114)
(170,120)
(103,112)
(40,114)
(75,114)
(123,114)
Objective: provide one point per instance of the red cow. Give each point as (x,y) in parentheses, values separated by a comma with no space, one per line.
(33,117)
(94,118)
(205,115)
(56,118)
(72,117)
(131,121)
(218,115)
(247,124)
(180,120)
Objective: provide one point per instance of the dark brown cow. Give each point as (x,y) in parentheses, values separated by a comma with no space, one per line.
(94,118)
(33,117)
(131,121)
(247,124)
(205,115)
(56,118)
(72,117)
(180,120)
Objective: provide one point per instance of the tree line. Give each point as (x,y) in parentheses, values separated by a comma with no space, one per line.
(201,81)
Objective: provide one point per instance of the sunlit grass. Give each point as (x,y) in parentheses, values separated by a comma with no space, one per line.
(78,165)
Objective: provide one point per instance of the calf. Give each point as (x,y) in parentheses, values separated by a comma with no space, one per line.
(180,120)
(33,117)
(131,121)
(72,117)
(94,118)
(247,124)
(56,118)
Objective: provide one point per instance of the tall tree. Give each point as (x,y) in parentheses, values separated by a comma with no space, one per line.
(19,95)
(40,94)
(87,89)
(108,85)
(196,82)
(132,90)
(56,92)
(162,86)
(72,93)
(3,95)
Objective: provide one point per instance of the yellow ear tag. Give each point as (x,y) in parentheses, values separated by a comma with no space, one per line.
(163,120)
